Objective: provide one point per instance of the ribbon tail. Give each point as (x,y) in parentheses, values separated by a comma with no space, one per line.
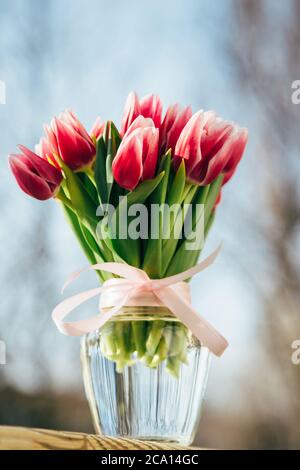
(167,281)
(120,269)
(202,329)
(81,327)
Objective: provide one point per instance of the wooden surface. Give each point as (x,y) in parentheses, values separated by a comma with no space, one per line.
(17,438)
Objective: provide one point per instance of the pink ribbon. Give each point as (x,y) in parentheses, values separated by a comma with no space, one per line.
(136,288)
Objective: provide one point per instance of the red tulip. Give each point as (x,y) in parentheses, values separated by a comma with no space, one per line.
(136,158)
(210,147)
(74,145)
(172,125)
(149,107)
(34,175)
(97,129)
(67,138)
(45,150)
(70,118)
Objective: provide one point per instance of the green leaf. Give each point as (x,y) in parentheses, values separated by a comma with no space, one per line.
(209,223)
(107,148)
(113,140)
(152,262)
(185,258)
(213,193)
(178,185)
(81,201)
(159,195)
(109,175)
(100,170)
(75,225)
(143,191)
(175,196)
(104,241)
(89,186)
(127,248)
(176,225)
(100,252)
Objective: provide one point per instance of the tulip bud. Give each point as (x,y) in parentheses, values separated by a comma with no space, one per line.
(131,111)
(44,150)
(239,140)
(149,107)
(75,146)
(172,125)
(67,138)
(210,147)
(97,129)
(136,158)
(34,175)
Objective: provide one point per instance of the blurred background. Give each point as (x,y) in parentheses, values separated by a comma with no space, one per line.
(237,57)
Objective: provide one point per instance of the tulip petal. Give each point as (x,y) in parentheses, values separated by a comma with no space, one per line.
(97,129)
(30,183)
(139,123)
(167,124)
(127,165)
(50,134)
(70,118)
(151,106)
(239,145)
(47,171)
(150,152)
(181,120)
(44,150)
(131,111)
(213,137)
(74,150)
(188,144)
(218,162)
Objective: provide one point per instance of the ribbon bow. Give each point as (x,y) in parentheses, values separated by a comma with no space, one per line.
(136,283)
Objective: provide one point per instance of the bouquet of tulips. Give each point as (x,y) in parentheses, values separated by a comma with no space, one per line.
(179,159)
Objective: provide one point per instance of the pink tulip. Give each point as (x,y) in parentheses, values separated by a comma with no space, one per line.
(172,125)
(149,107)
(136,158)
(131,111)
(97,129)
(34,175)
(239,140)
(210,147)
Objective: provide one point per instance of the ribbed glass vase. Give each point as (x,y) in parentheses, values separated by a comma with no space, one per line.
(145,376)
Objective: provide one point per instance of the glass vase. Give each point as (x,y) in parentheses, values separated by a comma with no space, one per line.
(145,376)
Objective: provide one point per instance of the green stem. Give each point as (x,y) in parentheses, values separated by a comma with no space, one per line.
(139,330)
(154,336)
(173,366)
(90,173)
(60,196)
